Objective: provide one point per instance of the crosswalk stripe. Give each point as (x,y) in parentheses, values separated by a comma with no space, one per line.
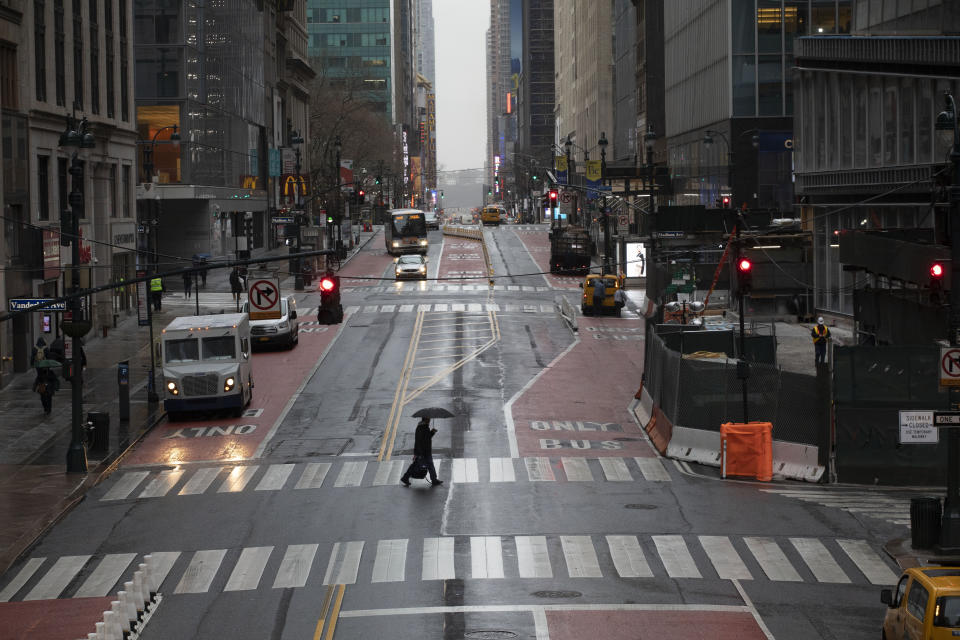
(577,469)
(539,470)
(200,481)
(821,564)
(869,563)
(351,475)
(580,556)
(464,470)
(533,559)
(313,475)
(388,472)
(350,309)
(726,561)
(160,485)
(438,559)
(295,566)
(486,555)
(615,470)
(125,485)
(458,307)
(52,584)
(391,561)
(676,557)
(772,560)
(423,307)
(22,577)
(246,573)
(275,477)
(388,308)
(652,470)
(628,557)
(100,583)
(160,564)
(238,478)
(501,470)
(344,563)
(201,571)
(370,309)
(440,307)
(406,308)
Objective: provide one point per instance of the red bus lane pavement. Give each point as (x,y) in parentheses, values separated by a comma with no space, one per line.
(367,267)
(685,622)
(537,244)
(277,378)
(66,619)
(462,258)
(577,405)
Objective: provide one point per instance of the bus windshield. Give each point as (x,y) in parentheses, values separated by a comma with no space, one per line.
(411,224)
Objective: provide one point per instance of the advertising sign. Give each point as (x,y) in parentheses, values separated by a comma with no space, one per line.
(916,427)
(51,255)
(636,260)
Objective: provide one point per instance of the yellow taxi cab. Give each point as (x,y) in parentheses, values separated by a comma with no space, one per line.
(490,214)
(610,303)
(924,606)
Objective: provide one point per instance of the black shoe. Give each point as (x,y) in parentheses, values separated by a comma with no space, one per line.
(436,482)
(404,482)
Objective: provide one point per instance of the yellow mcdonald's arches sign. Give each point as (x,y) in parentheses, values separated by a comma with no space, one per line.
(560,163)
(249,182)
(292,185)
(593,170)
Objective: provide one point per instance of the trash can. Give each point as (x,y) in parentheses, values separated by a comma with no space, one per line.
(925,516)
(100,436)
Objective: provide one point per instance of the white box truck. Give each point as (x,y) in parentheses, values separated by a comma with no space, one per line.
(206,364)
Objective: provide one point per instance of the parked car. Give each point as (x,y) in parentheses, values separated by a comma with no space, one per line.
(413,267)
(284,330)
(924,606)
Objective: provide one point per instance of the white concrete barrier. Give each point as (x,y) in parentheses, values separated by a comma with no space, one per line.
(566,311)
(134,606)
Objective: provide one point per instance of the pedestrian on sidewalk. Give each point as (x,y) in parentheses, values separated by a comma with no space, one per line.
(422,453)
(821,335)
(156,292)
(599,293)
(236,286)
(39,352)
(46,384)
(187,283)
(619,298)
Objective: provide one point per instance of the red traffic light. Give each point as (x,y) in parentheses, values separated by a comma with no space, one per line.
(553,195)
(362,193)
(726,202)
(936,270)
(327,284)
(744,265)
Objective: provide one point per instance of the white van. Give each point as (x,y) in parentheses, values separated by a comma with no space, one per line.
(432,220)
(284,330)
(206,364)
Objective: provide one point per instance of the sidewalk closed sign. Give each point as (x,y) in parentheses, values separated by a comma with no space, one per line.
(916,427)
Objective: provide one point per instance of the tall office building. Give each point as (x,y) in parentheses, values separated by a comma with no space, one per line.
(498,93)
(425,41)
(535,120)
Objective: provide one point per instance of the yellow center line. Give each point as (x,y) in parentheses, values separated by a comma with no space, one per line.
(394,419)
(323,613)
(335,614)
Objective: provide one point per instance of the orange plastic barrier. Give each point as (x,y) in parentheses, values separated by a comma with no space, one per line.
(747,450)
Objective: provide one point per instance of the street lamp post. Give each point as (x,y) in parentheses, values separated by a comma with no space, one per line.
(950,524)
(295,140)
(76,135)
(607,248)
(336,180)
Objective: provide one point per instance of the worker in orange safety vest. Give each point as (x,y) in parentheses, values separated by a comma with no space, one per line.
(820,334)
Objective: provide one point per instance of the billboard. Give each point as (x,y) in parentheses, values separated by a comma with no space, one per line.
(636,260)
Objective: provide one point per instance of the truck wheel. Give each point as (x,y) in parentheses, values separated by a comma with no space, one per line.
(584,310)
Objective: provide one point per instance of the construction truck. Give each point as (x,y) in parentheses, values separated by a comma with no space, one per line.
(569,251)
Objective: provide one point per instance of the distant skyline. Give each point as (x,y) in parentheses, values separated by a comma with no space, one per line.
(461,82)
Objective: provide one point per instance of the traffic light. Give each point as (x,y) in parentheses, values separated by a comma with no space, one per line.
(553,197)
(329,218)
(744,274)
(378,180)
(360,196)
(330,310)
(725,202)
(66,227)
(936,281)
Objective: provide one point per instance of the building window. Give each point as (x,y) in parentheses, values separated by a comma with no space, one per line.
(744,86)
(907,121)
(925,107)
(770,86)
(127,182)
(112,192)
(59,46)
(124,65)
(890,108)
(78,54)
(860,122)
(43,187)
(62,183)
(8,76)
(109,75)
(94,58)
(40,49)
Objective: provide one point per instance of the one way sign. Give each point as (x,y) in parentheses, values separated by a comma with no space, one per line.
(264,298)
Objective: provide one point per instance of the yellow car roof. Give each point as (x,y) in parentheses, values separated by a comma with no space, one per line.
(945,579)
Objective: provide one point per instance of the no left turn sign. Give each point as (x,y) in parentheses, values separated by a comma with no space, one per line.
(264,298)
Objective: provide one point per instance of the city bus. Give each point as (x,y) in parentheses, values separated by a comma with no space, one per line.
(405,231)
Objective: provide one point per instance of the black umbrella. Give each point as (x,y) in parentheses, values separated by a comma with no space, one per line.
(433,412)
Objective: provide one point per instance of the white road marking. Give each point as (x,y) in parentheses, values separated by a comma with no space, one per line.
(615,470)
(238,478)
(676,557)
(162,483)
(388,472)
(818,559)
(464,470)
(249,568)
(100,583)
(160,564)
(580,556)
(772,559)
(344,563)
(577,469)
(52,584)
(869,563)
(295,567)
(652,470)
(438,559)
(391,561)
(486,555)
(275,477)
(200,481)
(313,475)
(501,470)
(725,559)
(201,571)
(22,577)
(539,469)
(125,485)
(628,557)
(351,475)
(533,558)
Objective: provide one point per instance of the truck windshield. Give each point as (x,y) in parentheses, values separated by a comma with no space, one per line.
(221,348)
(187,350)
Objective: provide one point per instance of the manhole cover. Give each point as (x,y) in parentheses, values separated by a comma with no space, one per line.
(308,447)
(639,506)
(489,635)
(556,594)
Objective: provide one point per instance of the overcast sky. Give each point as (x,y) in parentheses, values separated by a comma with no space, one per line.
(461,83)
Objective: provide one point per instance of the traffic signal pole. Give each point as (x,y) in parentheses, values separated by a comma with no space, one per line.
(76,453)
(743,367)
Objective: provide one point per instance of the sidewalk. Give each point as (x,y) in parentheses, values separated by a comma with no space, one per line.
(35,490)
